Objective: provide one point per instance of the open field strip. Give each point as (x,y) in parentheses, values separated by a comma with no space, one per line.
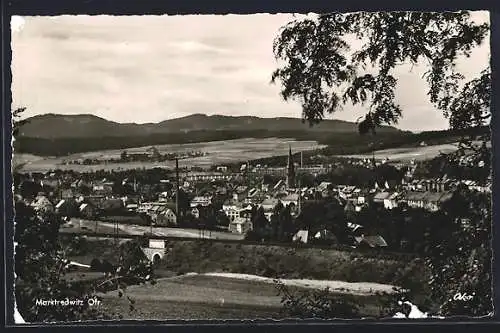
(355,288)
(218,152)
(212,296)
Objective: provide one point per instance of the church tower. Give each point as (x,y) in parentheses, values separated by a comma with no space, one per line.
(290,174)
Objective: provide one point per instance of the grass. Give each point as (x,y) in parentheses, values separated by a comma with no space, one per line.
(408,153)
(273,261)
(178,296)
(218,152)
(200,297)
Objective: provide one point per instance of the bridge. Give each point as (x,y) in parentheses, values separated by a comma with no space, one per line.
(156,250)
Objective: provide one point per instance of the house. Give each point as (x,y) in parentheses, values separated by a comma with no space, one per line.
(280,185)
(302,236)
(66,207)
(291,199)
(239,196)
(201,200)
(355,229)
(434,200)
(269,203)
(323,186)
(431,201)
(235,210)
(240,225)
(415,199)
(268,213)
(380,197)
(166,217)
(131,207)
(252,192)
(221,168)
(103,187)
(87,211)
(231,209)
(392,201)
(325,235)
(371,241)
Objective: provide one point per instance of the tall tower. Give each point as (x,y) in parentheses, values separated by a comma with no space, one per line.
(290,175)
(177,189)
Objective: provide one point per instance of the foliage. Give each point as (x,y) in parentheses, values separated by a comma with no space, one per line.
(41,265)
(461,262)
(317,304)
(17,122)
(318,63)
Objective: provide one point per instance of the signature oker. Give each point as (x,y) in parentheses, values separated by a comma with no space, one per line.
(463,297)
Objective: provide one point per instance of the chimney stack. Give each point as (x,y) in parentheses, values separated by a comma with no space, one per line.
(177,187)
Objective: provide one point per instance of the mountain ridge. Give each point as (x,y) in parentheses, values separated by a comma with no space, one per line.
(57,126)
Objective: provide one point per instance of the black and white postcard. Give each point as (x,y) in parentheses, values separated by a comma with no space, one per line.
(252,167)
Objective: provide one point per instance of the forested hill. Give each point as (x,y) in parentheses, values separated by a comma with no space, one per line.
(52,126)
(93,134)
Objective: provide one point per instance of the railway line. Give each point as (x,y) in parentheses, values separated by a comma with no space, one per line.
(204,237)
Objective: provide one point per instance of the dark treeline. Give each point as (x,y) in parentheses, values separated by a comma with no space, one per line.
(338,143)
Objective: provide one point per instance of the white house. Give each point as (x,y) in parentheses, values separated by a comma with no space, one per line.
(292,198)
(201,200)
(301,236)
(392,201)
(166,217)
(240,225)
(269,204)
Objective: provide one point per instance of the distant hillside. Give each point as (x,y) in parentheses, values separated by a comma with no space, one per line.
(57,135)
(52,126)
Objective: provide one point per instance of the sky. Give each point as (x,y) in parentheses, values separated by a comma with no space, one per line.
(152,68)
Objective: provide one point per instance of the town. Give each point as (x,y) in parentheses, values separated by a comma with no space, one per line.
(289,204)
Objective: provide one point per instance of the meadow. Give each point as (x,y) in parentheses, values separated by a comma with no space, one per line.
(205,297)
(217,152)
(418,153)
(208,294)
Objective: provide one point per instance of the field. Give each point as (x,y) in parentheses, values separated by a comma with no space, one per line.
(411,153)
(204,297)
(217,152)
(209,280)
(419,153)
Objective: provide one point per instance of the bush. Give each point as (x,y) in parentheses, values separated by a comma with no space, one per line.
(320,304)
(96,265)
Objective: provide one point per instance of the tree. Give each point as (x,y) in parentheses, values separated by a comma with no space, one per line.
(41,264)
(318,64)
(124,156)
(459,255)
(259,220)
(319,69)
(17,122)
(275,220)
(285,225)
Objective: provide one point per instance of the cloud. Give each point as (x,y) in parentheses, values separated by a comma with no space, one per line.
(151,68)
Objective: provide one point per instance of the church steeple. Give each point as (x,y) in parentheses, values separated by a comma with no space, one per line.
(290,175)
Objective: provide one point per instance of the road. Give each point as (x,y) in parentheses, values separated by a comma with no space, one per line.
(131,229)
